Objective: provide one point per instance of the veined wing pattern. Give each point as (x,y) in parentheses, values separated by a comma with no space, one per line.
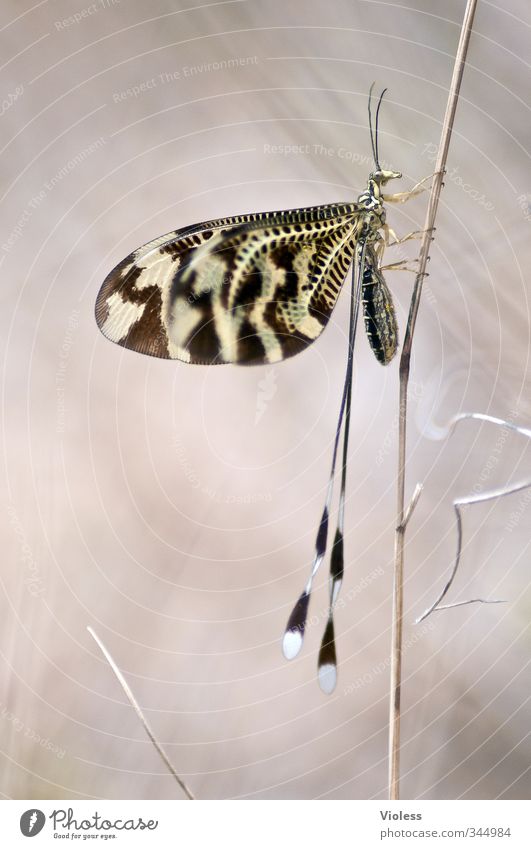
(250,289)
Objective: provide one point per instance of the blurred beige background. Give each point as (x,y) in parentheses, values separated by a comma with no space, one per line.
(174,508)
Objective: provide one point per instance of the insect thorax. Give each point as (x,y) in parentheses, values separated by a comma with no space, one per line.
(373,216)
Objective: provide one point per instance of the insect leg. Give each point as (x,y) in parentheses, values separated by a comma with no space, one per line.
(402,197)
(389,234)
(415,234)
(401,265)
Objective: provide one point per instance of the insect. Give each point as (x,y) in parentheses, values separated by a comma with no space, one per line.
(259,288)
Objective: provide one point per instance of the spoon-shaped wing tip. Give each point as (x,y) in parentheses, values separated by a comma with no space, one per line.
(291,643)
(328,678)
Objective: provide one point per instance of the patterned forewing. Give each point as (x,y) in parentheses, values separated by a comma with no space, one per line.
(250,289)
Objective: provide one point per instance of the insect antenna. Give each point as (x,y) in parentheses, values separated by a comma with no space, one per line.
(376,127)
(370,126)
(294,633)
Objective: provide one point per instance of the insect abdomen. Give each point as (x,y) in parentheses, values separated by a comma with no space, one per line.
(378,312)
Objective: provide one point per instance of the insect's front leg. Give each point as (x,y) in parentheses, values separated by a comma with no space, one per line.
(401,265)
(402,197)
(415,234)
(389,234)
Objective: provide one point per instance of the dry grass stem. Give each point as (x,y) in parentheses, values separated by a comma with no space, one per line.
(469,601)
(459,503)
(412,504)
(491,495)
(398,586)
(134,704)
(483,417)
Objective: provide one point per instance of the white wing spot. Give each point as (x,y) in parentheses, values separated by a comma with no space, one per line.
(310,326)
(328,678)
(291,644)
(122,316)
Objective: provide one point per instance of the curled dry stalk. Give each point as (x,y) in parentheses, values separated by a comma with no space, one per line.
(136,707)
(460,503)
(398,584)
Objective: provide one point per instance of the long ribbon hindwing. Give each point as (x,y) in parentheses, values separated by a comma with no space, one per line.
(251,289)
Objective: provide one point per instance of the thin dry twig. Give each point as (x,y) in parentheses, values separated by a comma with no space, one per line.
(398,586)
(483,417)
(459,503)
(134,704)
(411,506)
(469,601)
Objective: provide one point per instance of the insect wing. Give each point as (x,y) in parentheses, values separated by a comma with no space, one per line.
(250,289)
